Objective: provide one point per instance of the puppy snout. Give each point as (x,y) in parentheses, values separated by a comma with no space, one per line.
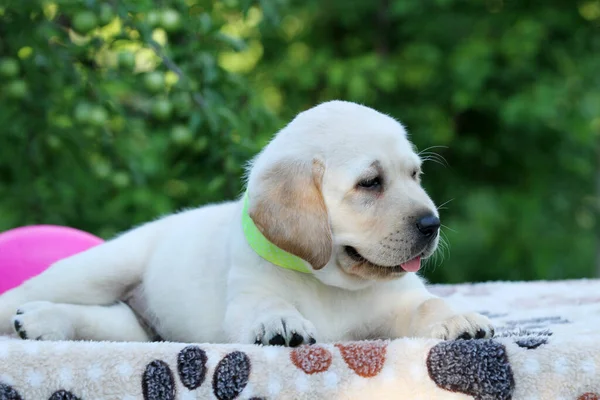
(428,225)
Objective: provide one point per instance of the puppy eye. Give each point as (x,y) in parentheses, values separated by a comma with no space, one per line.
(370,184)
(415,174)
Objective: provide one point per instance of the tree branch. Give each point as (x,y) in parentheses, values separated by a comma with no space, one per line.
(173,67)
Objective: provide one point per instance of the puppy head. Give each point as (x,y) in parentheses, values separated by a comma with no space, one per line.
(340,188)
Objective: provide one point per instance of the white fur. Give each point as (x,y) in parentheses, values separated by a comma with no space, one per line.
(198,280)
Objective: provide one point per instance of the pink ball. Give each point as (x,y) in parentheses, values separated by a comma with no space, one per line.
(27,251)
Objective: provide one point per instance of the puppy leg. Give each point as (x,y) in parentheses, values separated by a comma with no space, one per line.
(263,319)
(100,275)
(435,318)
(43,320)
(421,314)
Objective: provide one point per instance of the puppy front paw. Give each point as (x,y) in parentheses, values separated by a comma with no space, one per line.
(42,320)
(284,330)
(9,302)
(435,319)
(463,326)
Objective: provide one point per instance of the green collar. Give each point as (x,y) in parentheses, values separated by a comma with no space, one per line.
(264,248)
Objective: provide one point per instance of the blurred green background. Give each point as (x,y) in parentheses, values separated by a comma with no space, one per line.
(113,113)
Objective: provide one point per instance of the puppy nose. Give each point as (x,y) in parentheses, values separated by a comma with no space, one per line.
(428,225)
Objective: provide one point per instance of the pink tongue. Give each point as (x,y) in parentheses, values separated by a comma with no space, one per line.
(412,265)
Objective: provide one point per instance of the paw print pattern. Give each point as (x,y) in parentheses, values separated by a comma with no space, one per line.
(366,359)
(8,393)
(158,382)
(229,378)
(589,396)
(478,368)
(191,365)
(231,375)
(63,395)
(311,359)
(531,342)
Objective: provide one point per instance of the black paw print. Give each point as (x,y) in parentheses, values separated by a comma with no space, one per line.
(478,368)
(229,379)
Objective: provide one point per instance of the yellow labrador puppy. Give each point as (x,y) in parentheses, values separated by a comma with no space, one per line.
(323,246)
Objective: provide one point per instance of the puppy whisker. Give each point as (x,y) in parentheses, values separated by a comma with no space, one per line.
(447,227)
(431,147)
(435,160)
(427,155)
(441,206)
(445,244)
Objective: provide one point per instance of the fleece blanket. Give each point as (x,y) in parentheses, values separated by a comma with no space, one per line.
(547,346)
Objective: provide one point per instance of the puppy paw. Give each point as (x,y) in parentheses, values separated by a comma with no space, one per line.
(463,326)
(8,306)
(284,331)
(42,320)
(6,313)
(434,318)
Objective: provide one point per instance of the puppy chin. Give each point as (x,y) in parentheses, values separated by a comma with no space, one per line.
(373,273)
(334,274)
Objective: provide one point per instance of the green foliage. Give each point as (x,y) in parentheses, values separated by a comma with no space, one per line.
(113,113)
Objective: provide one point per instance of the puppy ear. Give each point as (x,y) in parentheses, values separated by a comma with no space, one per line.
(287,206)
